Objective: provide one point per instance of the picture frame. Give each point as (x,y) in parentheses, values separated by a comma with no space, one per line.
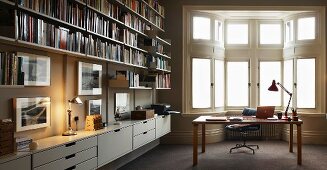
(94,107)
(122,103)
(89,79)
(35,69)
(32,113)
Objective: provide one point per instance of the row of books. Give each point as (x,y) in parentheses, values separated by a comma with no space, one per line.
(67,11)
(159,62)
(11,69)
(145,11)
(134,22)
(37,31)
(154,43)
(96,23)
(163,81)
(135,57)
(106,7)
(129,38)
(154,4)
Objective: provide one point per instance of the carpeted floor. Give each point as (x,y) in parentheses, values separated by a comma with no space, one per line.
(271,155)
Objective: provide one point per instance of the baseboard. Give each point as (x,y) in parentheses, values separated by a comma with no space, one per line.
(308,137)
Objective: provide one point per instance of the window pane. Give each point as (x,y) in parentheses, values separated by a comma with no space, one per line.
(288,80)
(237,84)
(270,34)
(289,31)
(237,34)
(218,31)
(306,28)
(201,83)
(269,70)
(201,28)
(306,83)
(219,83)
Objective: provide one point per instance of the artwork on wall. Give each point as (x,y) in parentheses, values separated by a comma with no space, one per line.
(94,107)
(89,79)
(121,102)
(32,113)
(35,69)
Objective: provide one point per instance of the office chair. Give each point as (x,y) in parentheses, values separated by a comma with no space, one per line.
(243,129)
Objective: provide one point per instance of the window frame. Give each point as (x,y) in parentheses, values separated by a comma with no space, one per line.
(289,43)
(226,85)
(317,30)
(281,79)
(281,44)
(227,22)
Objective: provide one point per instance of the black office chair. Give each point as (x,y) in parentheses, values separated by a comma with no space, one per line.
(243,129)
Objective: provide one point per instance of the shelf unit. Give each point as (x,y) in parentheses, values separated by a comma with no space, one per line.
(87,33)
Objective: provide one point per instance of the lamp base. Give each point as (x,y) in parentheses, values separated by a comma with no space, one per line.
(70,132)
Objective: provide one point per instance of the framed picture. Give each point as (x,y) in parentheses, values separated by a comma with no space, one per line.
(35,69)
(122,103)
(89,79)
(32,113)
(94,107)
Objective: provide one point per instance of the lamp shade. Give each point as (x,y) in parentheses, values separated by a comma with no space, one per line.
(273,86)
(75,100)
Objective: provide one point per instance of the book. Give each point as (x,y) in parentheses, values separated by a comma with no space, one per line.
(216,118)
(235,118)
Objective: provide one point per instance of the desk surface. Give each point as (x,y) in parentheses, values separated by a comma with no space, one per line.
(246,120)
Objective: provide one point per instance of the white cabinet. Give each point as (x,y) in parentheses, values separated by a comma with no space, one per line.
(162,125)
(114,144)
(144,138)
(23,163)
(143,126)
(66,156)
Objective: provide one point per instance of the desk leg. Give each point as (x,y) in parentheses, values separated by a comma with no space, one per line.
(203,138)
(291,138)
(195,144)
(299,145)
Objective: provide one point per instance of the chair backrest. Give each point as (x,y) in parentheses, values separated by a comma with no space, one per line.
(249,112)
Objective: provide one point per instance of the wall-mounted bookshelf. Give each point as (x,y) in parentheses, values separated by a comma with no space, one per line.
(105,30)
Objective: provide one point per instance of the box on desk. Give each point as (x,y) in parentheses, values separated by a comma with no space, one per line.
(7,137)
(118,83)
(93,122)
(142,114)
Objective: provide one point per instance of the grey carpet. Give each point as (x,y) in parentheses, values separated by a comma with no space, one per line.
(272,155)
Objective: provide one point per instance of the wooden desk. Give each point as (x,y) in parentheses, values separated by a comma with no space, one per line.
(246,120)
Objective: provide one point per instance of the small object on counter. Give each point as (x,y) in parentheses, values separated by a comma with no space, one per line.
(142,114)
(289,118)
(295,118)
(93,122)
(76,118)
(33,145)
(279,115)
(7,139)
(139,108)
(23,142)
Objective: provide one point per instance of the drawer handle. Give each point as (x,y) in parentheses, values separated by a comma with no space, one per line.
(145,122)
(70,156)
(73,167)
(70,144)
(163,116)
(117,130)
(145,133)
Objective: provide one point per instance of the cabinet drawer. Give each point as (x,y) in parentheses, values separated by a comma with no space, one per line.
(87,165)
(70,161)
(114,144)
(23,163)
(144,138)
(62,151)
(143,126)
(162,125)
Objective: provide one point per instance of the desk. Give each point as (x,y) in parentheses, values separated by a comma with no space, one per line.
(246,120)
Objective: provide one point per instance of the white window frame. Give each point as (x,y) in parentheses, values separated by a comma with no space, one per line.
(281,80)
(317,28)
(289,43)
(280,22)
(249,83)
(237,45)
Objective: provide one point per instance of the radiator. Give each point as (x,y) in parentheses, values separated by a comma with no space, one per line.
(267,131)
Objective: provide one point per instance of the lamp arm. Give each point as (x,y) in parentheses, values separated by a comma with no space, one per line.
(281,86)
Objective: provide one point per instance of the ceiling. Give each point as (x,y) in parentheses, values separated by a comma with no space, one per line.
(253,14)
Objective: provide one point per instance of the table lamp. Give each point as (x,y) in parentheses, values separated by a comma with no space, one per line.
(70,131)
(273,87)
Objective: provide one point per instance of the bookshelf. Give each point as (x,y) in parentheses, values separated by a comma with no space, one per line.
(77,38)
